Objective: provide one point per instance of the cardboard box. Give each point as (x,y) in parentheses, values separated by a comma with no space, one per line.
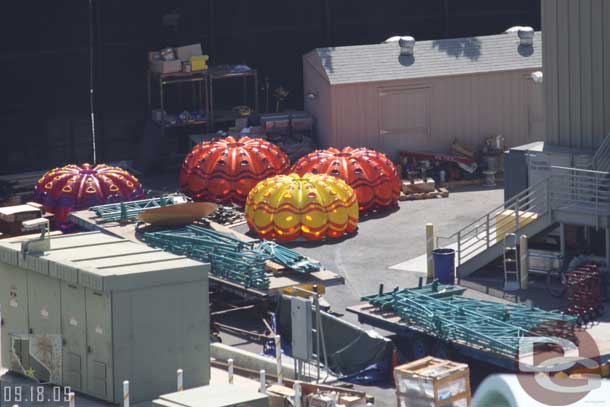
(185,52)
(199,62)
(166,66)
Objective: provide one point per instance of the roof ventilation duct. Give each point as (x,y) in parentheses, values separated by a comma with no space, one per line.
(407,46)
(526,36)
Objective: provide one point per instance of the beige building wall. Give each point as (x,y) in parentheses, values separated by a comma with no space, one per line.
(316,83)
(576,35)
(427,115)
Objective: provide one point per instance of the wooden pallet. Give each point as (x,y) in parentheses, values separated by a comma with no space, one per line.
(438,193)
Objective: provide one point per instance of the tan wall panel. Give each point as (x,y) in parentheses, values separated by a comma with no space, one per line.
(469,108)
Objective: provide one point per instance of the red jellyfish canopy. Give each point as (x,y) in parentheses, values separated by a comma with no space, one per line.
(371,174)
(225,170)
(63,190)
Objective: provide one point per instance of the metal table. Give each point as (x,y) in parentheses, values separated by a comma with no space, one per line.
(232,71)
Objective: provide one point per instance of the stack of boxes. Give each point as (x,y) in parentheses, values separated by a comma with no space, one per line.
(188,58)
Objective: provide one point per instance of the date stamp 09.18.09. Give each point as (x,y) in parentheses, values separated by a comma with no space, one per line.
(34,395)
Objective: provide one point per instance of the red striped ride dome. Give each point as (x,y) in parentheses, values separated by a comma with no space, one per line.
(371,174)
(225,170)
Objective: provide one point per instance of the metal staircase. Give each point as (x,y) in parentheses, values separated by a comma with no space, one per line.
(568,195)
(601,159)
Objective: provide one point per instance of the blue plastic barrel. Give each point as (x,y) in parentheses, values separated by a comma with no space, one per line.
(444,265)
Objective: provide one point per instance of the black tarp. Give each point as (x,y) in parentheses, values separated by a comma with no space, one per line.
(350,349)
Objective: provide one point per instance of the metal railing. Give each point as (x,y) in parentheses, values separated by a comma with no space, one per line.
(601,159)
(580,191)
(568,189)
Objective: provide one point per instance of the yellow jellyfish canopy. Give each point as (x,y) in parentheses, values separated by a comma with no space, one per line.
(312,206)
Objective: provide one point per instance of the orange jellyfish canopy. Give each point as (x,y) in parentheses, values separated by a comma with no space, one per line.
(225,170)
(370,173)
(66,189)
(287,207)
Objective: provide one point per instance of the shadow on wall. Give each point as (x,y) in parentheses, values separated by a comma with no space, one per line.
(460,47)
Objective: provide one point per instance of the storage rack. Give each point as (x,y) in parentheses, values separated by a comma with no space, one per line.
(228,72)
(200,94)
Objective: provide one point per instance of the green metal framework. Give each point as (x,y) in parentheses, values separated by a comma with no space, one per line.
(231,258)
(441,311)
(129,210)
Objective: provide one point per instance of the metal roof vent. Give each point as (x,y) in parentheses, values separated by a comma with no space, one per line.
(407,46)
(526,35)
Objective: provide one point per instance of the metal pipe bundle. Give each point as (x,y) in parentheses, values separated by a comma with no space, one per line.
(230,258)
(289,258)
(489,325)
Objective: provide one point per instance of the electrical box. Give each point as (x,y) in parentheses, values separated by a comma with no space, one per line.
(302,342)
(96,310)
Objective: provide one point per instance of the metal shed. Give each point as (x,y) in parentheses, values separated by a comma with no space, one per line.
(465,88)
(121,311)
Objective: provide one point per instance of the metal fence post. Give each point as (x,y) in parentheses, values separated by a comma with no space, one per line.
(231,375)
(180,379)
(263,381)
(278,358)
(126,393)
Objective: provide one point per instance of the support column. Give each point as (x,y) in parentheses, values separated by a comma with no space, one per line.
(608,246)
(562,239)
(523,261)
(429,249)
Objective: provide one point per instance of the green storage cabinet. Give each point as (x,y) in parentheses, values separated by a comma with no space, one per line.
(123,311)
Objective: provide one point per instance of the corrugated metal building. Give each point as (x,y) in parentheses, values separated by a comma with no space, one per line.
(465,88)
(576,71)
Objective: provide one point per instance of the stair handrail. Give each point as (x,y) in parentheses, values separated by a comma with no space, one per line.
(601,158)
(506,205)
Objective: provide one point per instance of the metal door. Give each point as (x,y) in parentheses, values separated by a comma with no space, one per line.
(44,305)
(99,344)
(14,308)
(74,333)
(404,119)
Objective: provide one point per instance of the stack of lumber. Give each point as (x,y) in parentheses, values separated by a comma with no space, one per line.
(421,189)
(16,189)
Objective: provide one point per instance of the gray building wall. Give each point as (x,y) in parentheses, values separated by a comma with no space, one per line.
(576,71)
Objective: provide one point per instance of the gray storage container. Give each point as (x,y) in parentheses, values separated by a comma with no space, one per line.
(120,311)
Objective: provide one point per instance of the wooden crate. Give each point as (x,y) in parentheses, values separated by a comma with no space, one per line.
(424,381)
